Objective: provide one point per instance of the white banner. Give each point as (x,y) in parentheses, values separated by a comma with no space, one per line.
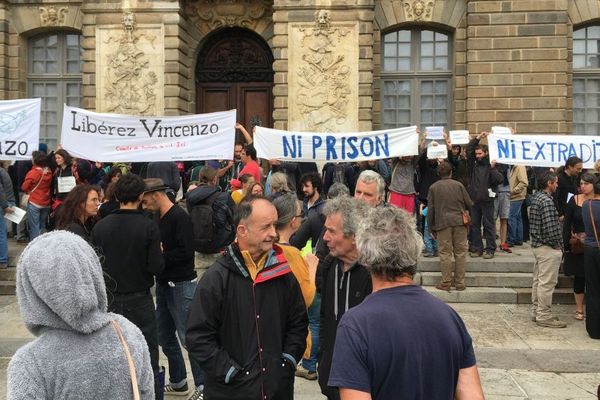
(543,150)
(114,138)
(19,128)
(335,147)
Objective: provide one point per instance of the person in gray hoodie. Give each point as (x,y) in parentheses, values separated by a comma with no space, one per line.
(77,353)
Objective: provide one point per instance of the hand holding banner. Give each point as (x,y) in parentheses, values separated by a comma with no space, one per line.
(335,147)
(114,138)
(19,128)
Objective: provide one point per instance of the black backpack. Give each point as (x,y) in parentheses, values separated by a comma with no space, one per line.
(204,226)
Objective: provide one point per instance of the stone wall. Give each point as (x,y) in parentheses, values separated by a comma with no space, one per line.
(518,65)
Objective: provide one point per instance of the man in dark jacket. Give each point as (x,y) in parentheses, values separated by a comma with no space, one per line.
(247,325)
(484,179)
(345,283)
(208,192)
(129,244)
(175,285)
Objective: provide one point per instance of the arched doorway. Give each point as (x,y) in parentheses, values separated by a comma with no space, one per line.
(235,70)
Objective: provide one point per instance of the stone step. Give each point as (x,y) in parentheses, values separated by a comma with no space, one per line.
(8,287)
(498,295)
(493,279)
(8,274)
(500,263)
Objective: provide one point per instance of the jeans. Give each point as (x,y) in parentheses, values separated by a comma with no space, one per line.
(139,309)
(314,314)
(515,223)
(483,214)
(172,307)
(3,238)
(36,220)
(430,243)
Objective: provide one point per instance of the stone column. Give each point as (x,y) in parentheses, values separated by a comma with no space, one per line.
(323,65)
(518,65)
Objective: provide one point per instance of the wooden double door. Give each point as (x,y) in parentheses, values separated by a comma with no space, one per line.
(235,71)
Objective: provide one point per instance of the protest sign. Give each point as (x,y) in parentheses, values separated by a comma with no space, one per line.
(335,147)
(543,150)
(459,137)
(113,137)
(19,128)
(435,132)
(436,150)
(501,130)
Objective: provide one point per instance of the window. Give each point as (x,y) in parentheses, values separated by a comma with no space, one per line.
(54,75)
(416,79)
(586,81)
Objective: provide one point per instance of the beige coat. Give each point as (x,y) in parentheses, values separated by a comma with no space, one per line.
(518,183)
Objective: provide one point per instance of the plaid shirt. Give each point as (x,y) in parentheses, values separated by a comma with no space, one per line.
(544,226)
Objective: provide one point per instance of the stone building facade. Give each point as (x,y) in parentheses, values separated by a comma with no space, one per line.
(314,65)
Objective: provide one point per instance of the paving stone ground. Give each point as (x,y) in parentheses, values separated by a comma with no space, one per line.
(518,360)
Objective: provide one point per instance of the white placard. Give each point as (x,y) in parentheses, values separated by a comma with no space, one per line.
(114,138)
(459,137)
(436,150)
(66,184)
(435,132)
(543,150)
(19,128)
(335,147)
(501,130)
(16,216)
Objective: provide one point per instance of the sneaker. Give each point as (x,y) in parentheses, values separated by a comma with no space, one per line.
(173,391)
(475,254)
(505,248)
(197,395)
(3,266)
(551,323)
(488,255)
(306,374)
(460,288)
(428,254)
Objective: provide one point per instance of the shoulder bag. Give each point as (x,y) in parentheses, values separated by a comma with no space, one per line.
(594,224)
(25,199)
(134,382)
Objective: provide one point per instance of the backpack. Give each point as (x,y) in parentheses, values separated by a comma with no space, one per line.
(202,216)
(339,173)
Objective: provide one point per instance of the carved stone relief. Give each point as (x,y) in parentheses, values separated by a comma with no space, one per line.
(212,14)
(130,68)
(418,10)
(323,76)
(50,16)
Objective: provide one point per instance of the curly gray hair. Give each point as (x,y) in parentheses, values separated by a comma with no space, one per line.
(388,243)
(350,209)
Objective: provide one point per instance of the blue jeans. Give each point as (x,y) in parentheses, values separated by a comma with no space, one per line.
(314,314)
(36,220)
(172,307)
(430,243)
(3,238)
(515,223)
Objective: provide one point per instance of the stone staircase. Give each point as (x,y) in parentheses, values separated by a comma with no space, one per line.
(506,279)
(9,276)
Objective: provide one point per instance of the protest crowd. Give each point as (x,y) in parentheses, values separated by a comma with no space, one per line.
(268,270)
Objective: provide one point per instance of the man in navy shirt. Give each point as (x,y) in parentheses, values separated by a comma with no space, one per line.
(400,342)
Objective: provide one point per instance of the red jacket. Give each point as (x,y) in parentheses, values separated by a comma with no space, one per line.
(38,194)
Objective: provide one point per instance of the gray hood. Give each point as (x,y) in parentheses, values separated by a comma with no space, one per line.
(60,285)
